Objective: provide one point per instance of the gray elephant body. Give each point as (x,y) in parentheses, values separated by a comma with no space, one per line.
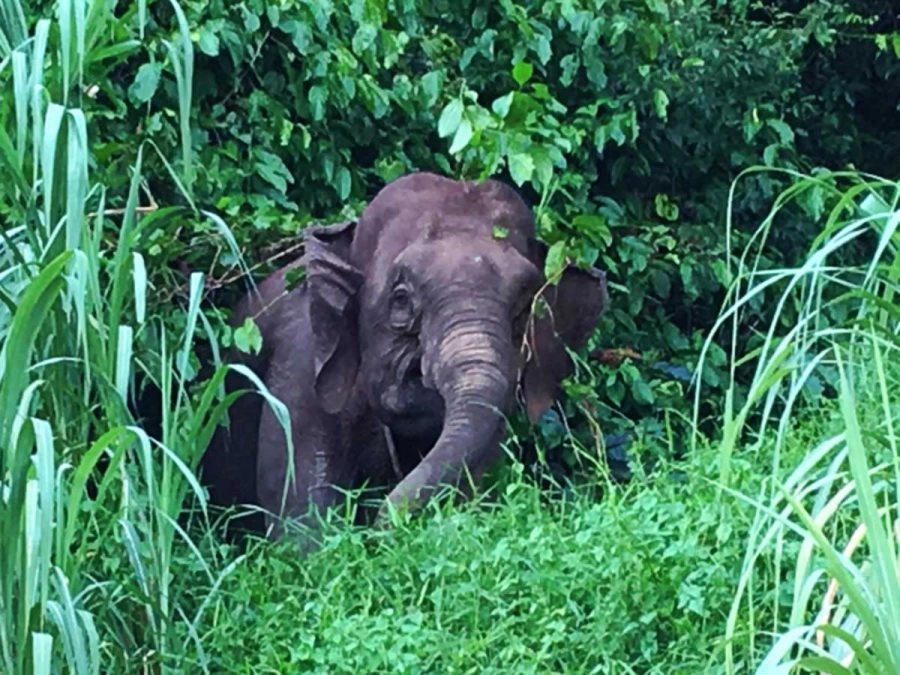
(400,352)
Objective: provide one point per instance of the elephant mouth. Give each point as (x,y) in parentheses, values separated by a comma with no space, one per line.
(410,408)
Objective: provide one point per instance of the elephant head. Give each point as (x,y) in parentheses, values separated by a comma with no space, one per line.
(425,307)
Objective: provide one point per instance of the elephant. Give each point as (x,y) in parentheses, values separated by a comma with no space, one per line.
(410,338)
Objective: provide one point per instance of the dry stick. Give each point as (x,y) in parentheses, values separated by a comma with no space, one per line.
(211,283)
(227,279)
(828,601)
(139,209)
(119,212)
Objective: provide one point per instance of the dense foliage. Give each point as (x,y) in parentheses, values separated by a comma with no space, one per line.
(144,143)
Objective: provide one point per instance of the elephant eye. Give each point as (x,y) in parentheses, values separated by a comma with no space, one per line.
(402,311)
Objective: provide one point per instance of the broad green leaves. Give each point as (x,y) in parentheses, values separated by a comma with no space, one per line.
(273,170)
(555,261)
(450,118)
(522,72)
(247,337)
(461,137)
(521,167)
(510,133)
(145,82)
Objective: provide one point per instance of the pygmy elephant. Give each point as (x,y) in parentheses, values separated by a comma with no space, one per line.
(401,351)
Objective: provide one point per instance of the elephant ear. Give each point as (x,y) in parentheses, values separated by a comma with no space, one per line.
(333,284)
(569,315)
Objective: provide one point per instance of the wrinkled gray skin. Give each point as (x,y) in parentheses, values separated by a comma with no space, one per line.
(410,321)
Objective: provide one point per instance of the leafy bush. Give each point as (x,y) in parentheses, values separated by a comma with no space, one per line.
(625,124)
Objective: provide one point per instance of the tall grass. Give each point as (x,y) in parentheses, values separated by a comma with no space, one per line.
(828,535)
(89,503)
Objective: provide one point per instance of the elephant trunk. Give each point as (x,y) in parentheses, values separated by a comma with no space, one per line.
(470,363)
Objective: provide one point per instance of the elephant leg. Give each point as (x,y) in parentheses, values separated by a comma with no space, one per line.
(322,468)
(308,488)
(228,467)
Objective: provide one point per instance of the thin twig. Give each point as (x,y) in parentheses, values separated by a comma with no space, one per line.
(119,212)
(392,452)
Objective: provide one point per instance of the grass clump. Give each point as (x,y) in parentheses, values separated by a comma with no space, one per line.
(830,519)
(94,544)
(640,581)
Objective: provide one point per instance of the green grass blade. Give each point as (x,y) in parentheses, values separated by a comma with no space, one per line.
(46,483)
(183,66)
(34,306)
(12,27)
(77,183)
(42,653)
(139,274)
(51,131)
(20,96)
(124,352)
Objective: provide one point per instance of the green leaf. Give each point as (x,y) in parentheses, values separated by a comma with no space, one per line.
(251,20)
(247,337)
(208,42)
(145,82)
(285,133)
(501,105)
(556,260)
(665,207)
(522,72)
(661,284)
(294,277)
(617,134)
(431,86)
(344,182)
(389,169)
(363,39)
(500,232)
(33,306)
(521,167)
(467,57)
(593,226)
(873,204)
(317,99)
(569,65)
(462,137)
(301,35)
(272,169)
(450,118)
(661,103)
(601,135)
(543,166)
(751,124)
(543,49)
(785,133)
(642,392)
